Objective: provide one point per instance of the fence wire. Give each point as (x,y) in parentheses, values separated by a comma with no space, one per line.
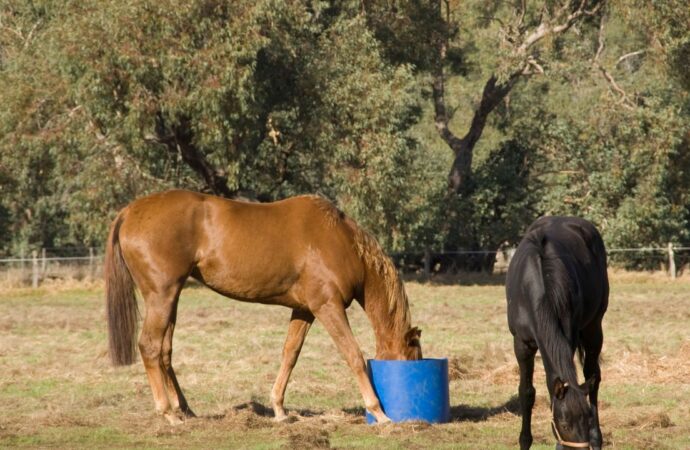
(85,263)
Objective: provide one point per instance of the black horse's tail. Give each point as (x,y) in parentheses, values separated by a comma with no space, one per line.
(121,301)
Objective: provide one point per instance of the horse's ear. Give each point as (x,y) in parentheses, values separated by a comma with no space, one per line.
(588,385)
(412,336)
(560,387)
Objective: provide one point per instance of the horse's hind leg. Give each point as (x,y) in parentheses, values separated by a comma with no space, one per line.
(175,395)
(159,312)
(525,358)
(592,340)
(300,322)
(332,316)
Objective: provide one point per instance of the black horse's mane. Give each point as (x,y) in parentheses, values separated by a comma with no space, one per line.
(554,310)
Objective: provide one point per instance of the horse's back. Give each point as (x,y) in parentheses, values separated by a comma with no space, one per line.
(252,251)
(265,248)
(183,218)
(570,246)
(578,243)
(579,236)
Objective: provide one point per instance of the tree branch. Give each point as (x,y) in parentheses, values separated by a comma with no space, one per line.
(440,113)
(521,13)
(624,99)
(629,55)
(544,30)
(492,95)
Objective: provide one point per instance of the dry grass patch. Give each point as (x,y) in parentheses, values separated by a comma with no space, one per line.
(58,389)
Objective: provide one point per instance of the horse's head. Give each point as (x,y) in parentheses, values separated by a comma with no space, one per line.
(413,348)
(572,414)
(405,347)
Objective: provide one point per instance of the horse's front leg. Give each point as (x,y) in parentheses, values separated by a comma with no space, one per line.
(332,316)
(525,357)
(592,342)
(300,322)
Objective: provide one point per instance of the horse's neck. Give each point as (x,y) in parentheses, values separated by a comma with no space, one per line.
(558,359)
(555,323)
(388,321)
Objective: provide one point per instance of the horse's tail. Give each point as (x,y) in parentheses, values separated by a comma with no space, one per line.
(121,301)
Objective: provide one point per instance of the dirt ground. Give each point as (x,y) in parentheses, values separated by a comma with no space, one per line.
(57,388)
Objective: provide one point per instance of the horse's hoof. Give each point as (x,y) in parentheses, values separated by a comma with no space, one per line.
(174,418)
(286,419)
(280,418)
(383,420)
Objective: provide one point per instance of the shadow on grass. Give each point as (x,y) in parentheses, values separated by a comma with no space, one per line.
(262,410)
(355,411)
(458,413)
(465,413)
(468,413)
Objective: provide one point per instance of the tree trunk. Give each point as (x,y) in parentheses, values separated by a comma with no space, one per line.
(178,139)
(494,91)
(463,148)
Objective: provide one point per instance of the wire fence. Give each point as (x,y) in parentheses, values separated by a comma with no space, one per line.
(50,264)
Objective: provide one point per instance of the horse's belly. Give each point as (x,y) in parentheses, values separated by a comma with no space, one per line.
(280,300)
(270,284)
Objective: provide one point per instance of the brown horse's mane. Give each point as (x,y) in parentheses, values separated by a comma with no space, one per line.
(374,258)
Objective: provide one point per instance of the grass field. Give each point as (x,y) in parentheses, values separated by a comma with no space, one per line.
(57,388)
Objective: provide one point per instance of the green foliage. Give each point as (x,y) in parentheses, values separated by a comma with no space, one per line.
(498,206)
(620,162)
(277,99)
(104,102)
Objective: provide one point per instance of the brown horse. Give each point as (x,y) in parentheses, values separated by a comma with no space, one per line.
(302,253)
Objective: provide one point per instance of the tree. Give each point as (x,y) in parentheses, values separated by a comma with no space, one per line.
(597,97)
(612,137)
(492,44)
(521,31)
(358,101)
(254,99)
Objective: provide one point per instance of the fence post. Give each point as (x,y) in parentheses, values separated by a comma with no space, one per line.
(34,265)
(509,255)
(92,264)
(427,263)
(671,261)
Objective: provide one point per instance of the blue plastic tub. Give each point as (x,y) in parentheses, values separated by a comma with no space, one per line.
(411,390)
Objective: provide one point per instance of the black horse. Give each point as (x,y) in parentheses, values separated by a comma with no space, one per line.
(557,290)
